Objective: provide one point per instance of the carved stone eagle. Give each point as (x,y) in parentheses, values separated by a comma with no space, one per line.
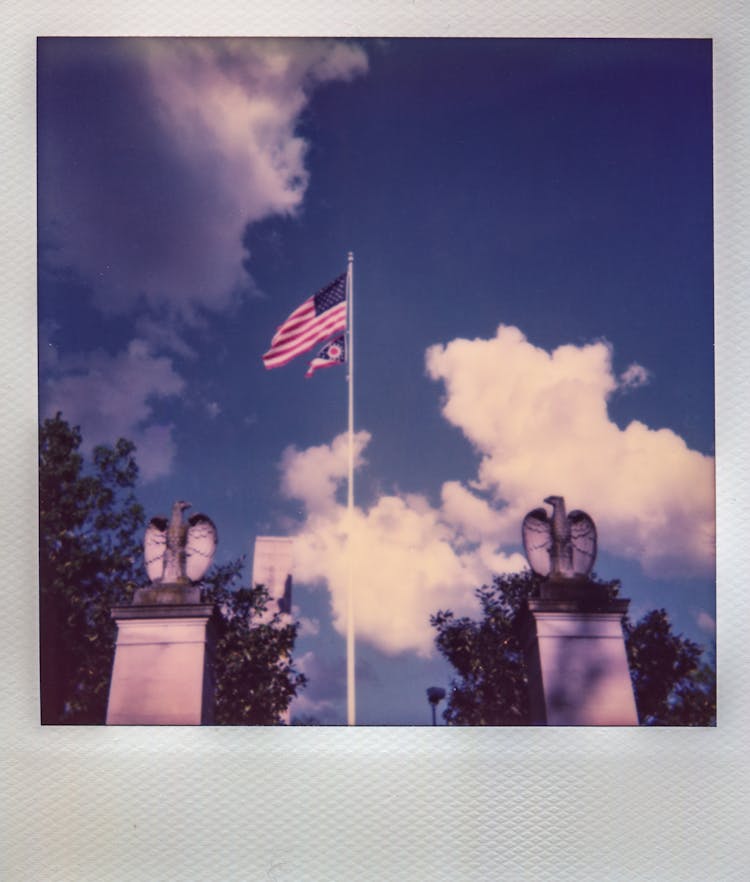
(561,547)
(177,552)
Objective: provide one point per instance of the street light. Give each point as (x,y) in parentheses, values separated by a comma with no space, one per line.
(435,695)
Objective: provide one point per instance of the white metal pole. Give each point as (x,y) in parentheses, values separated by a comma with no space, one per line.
(351,703)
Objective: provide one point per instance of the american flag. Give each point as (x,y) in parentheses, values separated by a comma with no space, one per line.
(318,317)
(332,353)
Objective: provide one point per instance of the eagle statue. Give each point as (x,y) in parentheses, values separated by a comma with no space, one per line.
(177,552)
(561,547)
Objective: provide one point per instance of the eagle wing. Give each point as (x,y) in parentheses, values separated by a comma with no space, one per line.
(583,542)
(200,544)
(536,531)
(155,547)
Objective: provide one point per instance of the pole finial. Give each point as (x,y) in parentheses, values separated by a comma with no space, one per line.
(350,256)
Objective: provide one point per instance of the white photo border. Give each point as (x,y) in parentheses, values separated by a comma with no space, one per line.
(373,803)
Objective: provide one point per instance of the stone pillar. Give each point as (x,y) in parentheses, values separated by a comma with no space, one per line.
(163,668)
(575,657)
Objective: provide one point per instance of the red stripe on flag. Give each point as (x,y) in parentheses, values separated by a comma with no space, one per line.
(303,336)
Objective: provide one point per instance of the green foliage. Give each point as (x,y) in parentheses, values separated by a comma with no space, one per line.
(89,559)
(672,685)
(490,689)
(255,675)
(693,702)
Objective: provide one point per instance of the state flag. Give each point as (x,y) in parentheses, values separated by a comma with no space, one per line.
(331,354)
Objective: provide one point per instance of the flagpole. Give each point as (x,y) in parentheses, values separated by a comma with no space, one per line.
(351,703)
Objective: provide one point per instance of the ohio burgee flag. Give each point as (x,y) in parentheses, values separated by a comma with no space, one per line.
(331,354)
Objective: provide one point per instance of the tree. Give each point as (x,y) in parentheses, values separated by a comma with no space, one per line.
(255,674)
(89,559)
(694,702)
(490,689)
(671,685)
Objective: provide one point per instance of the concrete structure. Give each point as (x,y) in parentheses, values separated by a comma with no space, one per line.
(273,560)
(163,668)
(575,657)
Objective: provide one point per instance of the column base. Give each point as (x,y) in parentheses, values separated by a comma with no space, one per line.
(575,657)
(163,667)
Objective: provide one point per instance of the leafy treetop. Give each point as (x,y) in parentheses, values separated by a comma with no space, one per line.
(90,556)
(672,685)
(89,560)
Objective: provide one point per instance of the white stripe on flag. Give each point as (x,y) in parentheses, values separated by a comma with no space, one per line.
(305,327)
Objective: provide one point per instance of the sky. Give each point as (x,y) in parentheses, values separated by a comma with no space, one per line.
(531,223)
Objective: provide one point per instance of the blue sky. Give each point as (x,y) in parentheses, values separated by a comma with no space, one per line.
(192,193)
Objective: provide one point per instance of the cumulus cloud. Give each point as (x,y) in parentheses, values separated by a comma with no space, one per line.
(323,710)
(706,622)
(154,154)
(162,334)
(308,627)
(322,697)
(539,422)
(634,376)
(408,558)
(315,474)
(473,516)
(113,396)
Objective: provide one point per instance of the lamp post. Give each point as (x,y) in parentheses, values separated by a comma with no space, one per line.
(435,695)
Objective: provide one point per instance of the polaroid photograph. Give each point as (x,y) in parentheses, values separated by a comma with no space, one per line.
(504,250)
(461,583)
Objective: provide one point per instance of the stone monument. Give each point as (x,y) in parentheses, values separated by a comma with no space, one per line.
(272,566)
(572,632)
(163,667)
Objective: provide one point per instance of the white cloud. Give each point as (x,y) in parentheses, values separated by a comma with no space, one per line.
(314,475)
(540,424)
(408,558)
(706,622)
(161,334)
(321,698)
(239,101)
(308,627)
(190,140)
(474,517)
(323,710)
(634,376)
(111,397)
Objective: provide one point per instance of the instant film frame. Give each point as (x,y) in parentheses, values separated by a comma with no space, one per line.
(327,804)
